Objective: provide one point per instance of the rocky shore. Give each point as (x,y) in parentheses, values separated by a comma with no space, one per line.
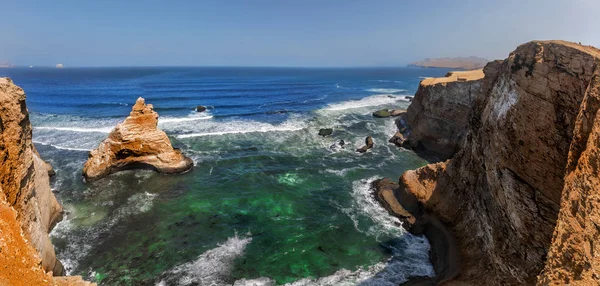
(136,143)
(520,190)
(28,208)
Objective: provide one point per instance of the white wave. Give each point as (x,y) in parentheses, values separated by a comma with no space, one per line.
(79,236)
(75,129)
(365,205)
(162,120)
(237,127)
(374,100)
(61,147)
(212,267)
(385,90)
(240,132)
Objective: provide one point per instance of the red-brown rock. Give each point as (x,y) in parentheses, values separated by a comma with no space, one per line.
(136,143)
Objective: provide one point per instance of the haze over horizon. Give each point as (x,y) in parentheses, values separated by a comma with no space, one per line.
(290,34)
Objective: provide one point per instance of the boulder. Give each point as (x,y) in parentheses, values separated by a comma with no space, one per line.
(136,143)
(382,113)
(325,131)
(368,145)
(200,108)
(399,140)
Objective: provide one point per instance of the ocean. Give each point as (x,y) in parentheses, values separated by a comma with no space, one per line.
(269,202)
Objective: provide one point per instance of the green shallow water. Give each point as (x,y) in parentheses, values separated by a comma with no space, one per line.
(276,205)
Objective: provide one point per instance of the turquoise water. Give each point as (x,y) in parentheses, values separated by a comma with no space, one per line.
(268,202)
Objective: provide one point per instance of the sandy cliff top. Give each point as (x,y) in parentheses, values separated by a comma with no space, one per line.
(455,76)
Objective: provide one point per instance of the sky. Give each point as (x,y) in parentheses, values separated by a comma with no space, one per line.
(282,33)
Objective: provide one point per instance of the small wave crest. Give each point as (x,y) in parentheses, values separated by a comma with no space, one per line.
(385,90)
(374,100)
(240,127)
(212,267)
(76,129)
(163,120)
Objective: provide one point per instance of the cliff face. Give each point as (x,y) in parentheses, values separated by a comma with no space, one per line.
(136,143)
(438,115)
(24,177)
(574,256)
(500,194)
(28,208)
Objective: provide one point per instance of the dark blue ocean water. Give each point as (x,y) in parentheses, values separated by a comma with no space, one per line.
(268,202)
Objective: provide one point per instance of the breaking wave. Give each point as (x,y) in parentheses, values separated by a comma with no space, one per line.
(212,267)
(375,100)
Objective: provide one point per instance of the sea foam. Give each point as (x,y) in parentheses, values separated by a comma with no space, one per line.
(374,100)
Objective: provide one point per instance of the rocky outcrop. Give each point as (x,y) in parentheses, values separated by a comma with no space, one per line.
(136,143)
(531,139)
(368,145)
(574,256)
(438,115)
(28,208)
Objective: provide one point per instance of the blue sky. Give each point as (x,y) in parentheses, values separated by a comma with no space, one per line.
(282,33)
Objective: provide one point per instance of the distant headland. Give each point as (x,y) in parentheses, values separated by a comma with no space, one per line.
(466,63)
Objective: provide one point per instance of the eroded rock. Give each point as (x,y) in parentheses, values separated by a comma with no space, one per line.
(136,143)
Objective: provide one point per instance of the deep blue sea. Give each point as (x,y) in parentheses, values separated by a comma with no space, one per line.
(269,202)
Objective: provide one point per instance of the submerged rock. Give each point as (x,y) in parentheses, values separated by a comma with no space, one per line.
(200,108)
(136,143)
(382,113)
(368,145)
(325,131)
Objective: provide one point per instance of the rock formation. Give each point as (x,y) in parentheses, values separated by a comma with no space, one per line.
(368,145)
(532,139)
(136,143)
(28,208)
(438,115)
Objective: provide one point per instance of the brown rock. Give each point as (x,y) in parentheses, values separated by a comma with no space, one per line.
(368,145)
(398,140)
(28,209)
(397,112)
(136,143)
(438,115)
(573,256)
(500,194)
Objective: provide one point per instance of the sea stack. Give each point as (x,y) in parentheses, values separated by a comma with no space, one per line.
(136,143)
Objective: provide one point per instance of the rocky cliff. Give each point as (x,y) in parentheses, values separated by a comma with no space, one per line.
(438,115)
(136,143)
(531,139)
(28,208)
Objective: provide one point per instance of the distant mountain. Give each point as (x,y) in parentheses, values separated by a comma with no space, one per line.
(468,63)
(6,65)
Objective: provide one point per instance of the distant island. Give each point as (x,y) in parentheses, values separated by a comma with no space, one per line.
(466,63)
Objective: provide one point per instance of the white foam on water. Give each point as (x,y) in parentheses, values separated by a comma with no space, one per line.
(385,90)
(374,100)
(163,120)
(212,267)
(61,147)
(365,205)
(80,238)
(75,129)
(239,127)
